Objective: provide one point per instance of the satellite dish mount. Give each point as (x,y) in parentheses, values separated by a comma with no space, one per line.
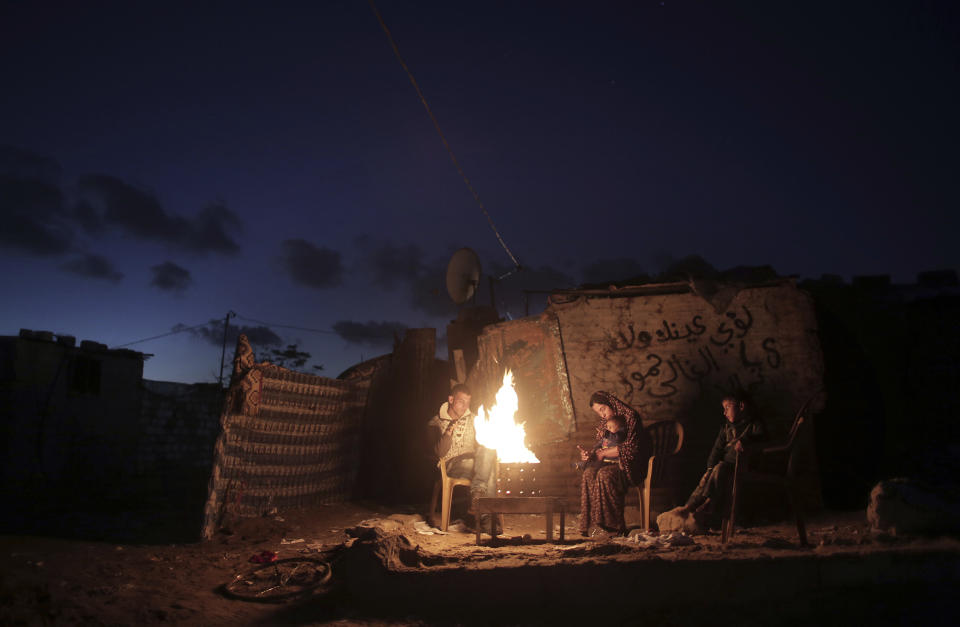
(463,276)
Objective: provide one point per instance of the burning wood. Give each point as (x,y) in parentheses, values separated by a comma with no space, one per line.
(498,429)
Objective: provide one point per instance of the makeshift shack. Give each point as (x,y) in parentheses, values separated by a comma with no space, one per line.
(671,351)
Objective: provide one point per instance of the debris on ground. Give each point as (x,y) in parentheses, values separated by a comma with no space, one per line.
(646,540)
(678,519)
(423,528)
(263,557)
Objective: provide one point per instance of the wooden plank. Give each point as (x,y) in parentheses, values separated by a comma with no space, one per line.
(460,365)
(519,505)
(549,516)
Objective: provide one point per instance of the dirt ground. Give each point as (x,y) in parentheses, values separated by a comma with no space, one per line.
(51,580)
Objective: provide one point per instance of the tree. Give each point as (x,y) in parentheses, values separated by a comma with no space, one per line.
(291,357)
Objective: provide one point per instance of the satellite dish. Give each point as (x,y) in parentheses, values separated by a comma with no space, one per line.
(463,275)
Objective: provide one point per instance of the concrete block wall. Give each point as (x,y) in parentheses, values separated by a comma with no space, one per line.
(179,426)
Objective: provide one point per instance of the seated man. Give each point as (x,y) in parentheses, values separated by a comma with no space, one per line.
(451,437)
(741,429)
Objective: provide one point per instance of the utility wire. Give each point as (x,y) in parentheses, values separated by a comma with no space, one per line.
(156,337)
(238,317)
(443,138)
(286,326)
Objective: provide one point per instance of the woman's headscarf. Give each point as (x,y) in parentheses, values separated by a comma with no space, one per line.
(637,447)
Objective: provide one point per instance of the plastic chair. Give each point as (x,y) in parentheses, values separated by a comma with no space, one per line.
(785,476)
(667,437)
(445,484)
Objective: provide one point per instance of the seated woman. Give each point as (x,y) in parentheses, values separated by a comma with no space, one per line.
(604,484)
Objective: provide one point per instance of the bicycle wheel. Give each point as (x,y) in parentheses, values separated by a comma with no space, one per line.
(279,581)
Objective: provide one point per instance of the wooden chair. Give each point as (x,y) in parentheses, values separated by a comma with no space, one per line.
(783,459)
(445,484)
(667,437)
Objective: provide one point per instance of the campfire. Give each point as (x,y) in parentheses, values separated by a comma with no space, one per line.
(498,429)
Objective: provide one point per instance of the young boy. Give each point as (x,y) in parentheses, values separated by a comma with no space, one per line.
(741,428)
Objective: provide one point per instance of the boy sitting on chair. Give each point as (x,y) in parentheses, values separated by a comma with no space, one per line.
(741,429)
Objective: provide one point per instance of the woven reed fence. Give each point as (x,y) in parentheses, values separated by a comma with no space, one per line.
(287,440)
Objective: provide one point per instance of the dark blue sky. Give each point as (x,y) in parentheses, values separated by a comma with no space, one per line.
(163,163)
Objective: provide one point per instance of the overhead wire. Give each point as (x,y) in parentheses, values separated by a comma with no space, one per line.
(446,144)
(286,326)
(238,317)
(156,337)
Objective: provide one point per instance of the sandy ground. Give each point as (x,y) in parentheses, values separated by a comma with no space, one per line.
(49,580)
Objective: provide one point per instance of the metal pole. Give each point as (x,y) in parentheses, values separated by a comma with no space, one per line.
(223,352)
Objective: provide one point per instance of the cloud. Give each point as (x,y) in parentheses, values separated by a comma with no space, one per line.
(32,204)
(133,210)
(107,201)
(369,333)
(403,266)
(93,266)
(310,265)
(170,277)
(612,270)
(33,217)
(209,231)
(391,263)
(428,293)
(212,333)
(87,216)
(259,336)
(21,163)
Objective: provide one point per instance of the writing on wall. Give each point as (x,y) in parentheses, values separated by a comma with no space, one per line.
(657,360)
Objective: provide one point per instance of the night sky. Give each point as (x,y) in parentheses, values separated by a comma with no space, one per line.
(162,163)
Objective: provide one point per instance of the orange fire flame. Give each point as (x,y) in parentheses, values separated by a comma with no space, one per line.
(498,429)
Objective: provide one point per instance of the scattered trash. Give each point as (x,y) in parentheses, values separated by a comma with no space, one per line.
(278,581)
(263,557)
(679,539)
(598,534)
(647,541)
(423,528)
(296,541)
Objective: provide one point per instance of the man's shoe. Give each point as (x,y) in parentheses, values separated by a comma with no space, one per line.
(484,524)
